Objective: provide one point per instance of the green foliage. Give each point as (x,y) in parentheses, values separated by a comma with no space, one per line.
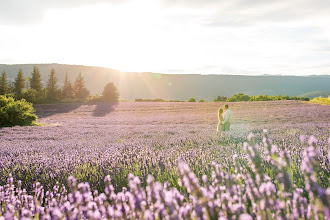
(280,97)
(4,89)
(202,100)
(304,99)
(27,82)
(220,99)
(36,93)
(19,84)
(192,100)
(242,97)
(67,89)
(30,95)
(262,98)
(35,82)
(95,98)
(81,92)
(323,101)
(299,98)
(239,97)
(110,93)
(11,87)
(232,99)
(52,88)
(19,112)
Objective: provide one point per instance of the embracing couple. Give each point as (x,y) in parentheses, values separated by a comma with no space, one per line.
(224,120)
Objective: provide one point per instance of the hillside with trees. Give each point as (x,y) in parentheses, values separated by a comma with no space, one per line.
(32,88)
(133,85)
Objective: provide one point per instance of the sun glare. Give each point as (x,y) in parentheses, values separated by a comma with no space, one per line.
(146,36)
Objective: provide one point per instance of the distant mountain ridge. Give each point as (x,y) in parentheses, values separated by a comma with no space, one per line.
(132,85)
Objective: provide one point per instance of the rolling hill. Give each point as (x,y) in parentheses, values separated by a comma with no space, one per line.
(132,85)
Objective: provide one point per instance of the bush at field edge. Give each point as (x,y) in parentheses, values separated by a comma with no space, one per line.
(16,112)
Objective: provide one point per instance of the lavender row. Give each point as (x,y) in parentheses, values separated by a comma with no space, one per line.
(233,191)
(48,158)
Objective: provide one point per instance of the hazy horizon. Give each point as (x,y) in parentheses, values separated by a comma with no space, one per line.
(172,73)
(172,37)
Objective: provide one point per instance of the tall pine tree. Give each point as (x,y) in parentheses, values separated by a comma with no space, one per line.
(4,89)
(67,90)
(52,88)
(81,92)
(35,81)
(19,84)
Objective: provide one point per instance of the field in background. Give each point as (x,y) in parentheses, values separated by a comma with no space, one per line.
(91,141)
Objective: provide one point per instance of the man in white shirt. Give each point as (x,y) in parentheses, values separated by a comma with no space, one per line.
(226,121)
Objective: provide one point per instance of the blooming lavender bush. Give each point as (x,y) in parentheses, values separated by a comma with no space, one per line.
(163,164)
(247,192)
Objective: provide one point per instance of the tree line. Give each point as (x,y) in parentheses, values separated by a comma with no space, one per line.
(32,89)
(239,97)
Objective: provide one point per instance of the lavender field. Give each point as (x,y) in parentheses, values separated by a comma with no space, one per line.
(165,161)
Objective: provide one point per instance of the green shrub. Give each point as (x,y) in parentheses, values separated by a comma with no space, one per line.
(239,97)
(16,112)
(202,100)
(232,99)
(192,100)
(30,95)
(220,99)
(323,101)
(95,98)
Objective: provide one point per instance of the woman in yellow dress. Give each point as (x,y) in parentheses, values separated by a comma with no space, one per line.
(220,127)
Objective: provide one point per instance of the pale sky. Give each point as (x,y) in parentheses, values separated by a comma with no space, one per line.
(246,37)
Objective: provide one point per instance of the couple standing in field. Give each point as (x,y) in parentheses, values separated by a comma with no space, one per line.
(224,120)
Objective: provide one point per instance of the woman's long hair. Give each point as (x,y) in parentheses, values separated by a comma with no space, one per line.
(220,112)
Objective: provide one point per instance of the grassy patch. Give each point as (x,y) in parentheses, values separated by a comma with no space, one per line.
(323,101)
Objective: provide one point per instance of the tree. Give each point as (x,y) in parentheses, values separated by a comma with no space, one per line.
(4,89)
(279,97)
(239,97)
(35,81)
(11,87)
(19,84)
(306,99)
(263,98)
(67,89)
(110,93)
(253,98)
(30,95)
(81,92)
(232,99)
(52,88)
(220,99)
(202,100)
(192,100)
(27,82)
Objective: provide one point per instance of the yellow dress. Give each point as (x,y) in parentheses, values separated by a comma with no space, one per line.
(220,127)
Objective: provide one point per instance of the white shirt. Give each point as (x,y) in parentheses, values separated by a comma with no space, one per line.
(227,116)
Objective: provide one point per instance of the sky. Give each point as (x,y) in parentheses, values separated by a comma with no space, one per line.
(239,37)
